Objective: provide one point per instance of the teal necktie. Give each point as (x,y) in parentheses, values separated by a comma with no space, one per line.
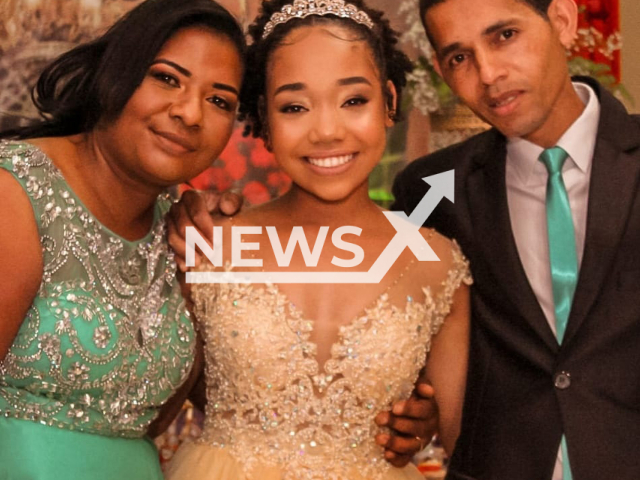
(562,255)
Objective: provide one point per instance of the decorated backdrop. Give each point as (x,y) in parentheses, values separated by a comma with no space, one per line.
(32,32)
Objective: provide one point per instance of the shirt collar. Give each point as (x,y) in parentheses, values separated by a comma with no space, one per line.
(578,141)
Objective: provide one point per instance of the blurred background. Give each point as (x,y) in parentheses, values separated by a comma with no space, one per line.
(32,32)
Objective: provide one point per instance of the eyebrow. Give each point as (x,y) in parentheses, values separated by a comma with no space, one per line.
(498,26)
(353,81)
(298,86)
(290,87)
(449,49)
(187,73)
(182,70)
(491,29)
(224,86)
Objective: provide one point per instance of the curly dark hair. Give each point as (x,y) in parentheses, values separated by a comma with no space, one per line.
(382,39)
(94,81)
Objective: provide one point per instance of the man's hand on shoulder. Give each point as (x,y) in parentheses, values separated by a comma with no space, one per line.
(195,209)
(412,424)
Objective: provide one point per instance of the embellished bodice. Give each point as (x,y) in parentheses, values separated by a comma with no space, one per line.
(107,339)
(269,400)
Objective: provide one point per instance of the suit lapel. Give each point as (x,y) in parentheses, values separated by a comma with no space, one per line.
(614,181)
(487,196)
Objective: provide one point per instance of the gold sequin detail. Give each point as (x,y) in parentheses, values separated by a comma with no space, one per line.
(271,403)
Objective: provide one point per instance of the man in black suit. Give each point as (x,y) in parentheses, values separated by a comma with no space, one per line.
(540,404)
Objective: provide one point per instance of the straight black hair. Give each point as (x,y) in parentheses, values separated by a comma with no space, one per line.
(94,81)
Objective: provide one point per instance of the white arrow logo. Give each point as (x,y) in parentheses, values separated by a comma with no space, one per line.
(407,235)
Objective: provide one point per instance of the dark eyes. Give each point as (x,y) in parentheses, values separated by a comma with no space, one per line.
(355,101)
(173,81)
(352,102)
(166,78)
(292,109)
(503,36)
(507,34)
(221,102)
(457,59)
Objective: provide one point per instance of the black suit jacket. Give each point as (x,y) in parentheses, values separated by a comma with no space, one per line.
(514,415)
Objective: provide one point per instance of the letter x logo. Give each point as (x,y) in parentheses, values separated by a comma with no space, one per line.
(407,235)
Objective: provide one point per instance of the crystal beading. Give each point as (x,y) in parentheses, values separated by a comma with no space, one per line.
(304,8)
(273,404)
(107,339)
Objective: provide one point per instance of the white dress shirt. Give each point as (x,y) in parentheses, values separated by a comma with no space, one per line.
(526,179)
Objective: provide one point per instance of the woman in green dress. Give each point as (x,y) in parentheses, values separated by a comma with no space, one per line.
(94,336)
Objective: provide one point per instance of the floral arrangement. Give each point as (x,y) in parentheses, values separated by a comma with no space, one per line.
(596,51)
(246,166)
(426,91)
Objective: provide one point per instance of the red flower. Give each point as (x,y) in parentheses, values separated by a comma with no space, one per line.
(213,177)
(255,193)
(279,180)
(261,157)
(235,166)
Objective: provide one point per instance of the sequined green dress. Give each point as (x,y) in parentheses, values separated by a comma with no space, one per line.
(105,343)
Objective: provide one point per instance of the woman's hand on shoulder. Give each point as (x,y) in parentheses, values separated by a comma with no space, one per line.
(20,259)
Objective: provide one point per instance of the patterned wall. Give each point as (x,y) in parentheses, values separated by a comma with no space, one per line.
(32,32)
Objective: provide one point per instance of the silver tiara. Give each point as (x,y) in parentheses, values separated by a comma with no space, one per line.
(304,8)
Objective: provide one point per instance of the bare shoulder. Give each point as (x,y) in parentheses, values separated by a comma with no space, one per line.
(443,246)
(235,230)
(249,216)
(20,258)
(51,146)
(224,221)
(18,227)
(15,205)
(55,144)
(61,150)
(244,218)
(450,258)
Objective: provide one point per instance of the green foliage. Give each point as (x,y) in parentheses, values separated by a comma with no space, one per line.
(602,73)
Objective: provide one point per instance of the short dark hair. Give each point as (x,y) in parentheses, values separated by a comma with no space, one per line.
(94,81)
(382,39)
(540,6)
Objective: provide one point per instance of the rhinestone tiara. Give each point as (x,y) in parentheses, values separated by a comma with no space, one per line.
(304,8)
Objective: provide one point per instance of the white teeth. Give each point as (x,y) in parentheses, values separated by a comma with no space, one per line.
(505,101)
(329,162)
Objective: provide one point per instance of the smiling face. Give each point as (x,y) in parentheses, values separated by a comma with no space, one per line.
(326,110)
(508,63)
(180,118)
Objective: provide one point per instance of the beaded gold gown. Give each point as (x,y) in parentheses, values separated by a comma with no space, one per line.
(275,413)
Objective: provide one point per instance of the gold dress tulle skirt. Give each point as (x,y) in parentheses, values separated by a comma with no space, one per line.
(196,461)
(275,412)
